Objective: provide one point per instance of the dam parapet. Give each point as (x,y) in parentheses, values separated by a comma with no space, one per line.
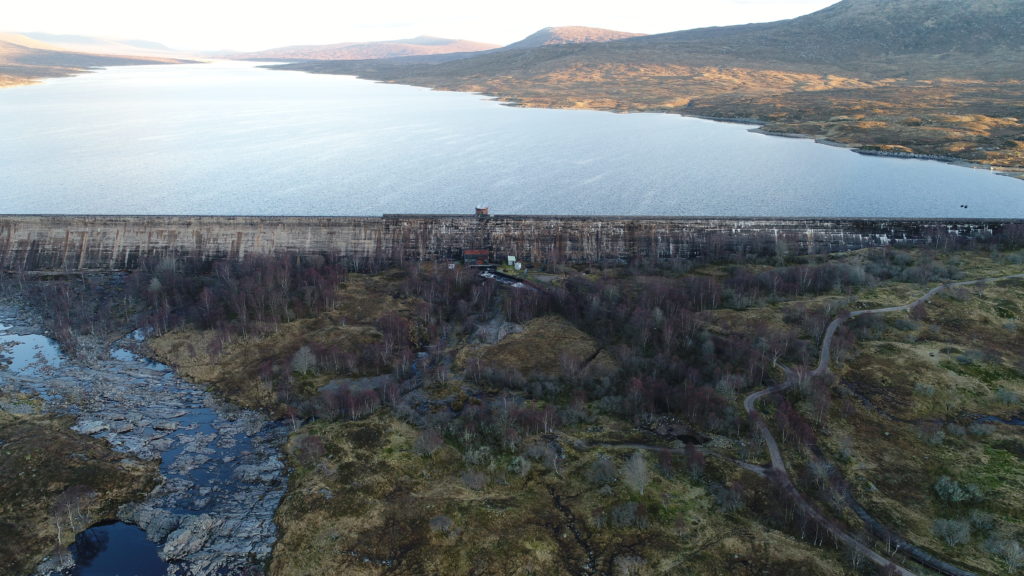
(71,242)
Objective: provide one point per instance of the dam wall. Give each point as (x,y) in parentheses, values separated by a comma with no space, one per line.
(41,242)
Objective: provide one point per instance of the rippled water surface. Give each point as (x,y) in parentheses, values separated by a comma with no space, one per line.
(230,138)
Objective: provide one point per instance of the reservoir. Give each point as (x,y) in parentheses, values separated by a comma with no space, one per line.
(230,138)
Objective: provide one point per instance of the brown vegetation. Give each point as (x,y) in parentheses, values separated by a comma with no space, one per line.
(444,423)
(928,390)
(55,483)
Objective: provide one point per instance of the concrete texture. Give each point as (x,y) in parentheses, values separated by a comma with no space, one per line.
(124,242)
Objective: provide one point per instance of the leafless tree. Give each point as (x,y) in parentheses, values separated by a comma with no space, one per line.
(635,473)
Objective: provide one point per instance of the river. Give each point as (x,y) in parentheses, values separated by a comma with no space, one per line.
(222,476)
(230,138)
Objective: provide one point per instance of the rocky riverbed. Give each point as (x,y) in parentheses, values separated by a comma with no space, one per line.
(222,476)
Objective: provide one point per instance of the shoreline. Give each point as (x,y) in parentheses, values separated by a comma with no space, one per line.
(1016,172)
(1009,171)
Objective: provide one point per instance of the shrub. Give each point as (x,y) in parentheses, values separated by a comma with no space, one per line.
(955,429)
(1009,550)
(952,532)
(520,466)
(442,524)
(628,566)
(475,480)
(1008,397)
(925,390)
(635,473)
(427,442)
(982,521)
(602,472)
(953,492)
(980,429)
(933,435)
(304,361)
(1013,554)
(629,515)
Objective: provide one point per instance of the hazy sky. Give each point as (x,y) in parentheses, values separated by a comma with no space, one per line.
(258,24)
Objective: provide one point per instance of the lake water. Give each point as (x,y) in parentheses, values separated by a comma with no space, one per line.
(230,138)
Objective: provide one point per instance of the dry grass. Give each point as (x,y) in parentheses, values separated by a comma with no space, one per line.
(931,382)
(230,365)
(372,505)
(544,349)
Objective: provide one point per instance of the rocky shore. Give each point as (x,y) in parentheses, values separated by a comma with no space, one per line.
(222,477)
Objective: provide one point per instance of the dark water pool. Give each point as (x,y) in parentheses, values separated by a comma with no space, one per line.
(116,549)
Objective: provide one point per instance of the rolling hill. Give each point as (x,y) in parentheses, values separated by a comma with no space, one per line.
(24,60)
(932,77)
(419,46)
(569,35)
(101,45)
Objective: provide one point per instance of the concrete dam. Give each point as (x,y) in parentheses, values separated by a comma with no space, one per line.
(41,242)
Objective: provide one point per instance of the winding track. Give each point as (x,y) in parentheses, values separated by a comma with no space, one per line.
(826,343)
(779,467)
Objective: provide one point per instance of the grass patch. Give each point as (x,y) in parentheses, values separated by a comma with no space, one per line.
(43,461)
(546,348)
(986,372)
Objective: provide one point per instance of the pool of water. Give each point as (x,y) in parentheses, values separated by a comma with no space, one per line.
(116,549)
(27,354)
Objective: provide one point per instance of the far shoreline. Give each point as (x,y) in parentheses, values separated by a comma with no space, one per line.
(1016,172)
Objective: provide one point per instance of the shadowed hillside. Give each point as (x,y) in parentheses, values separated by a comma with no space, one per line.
(936,77)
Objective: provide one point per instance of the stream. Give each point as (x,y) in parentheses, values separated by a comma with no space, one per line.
(222,476)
